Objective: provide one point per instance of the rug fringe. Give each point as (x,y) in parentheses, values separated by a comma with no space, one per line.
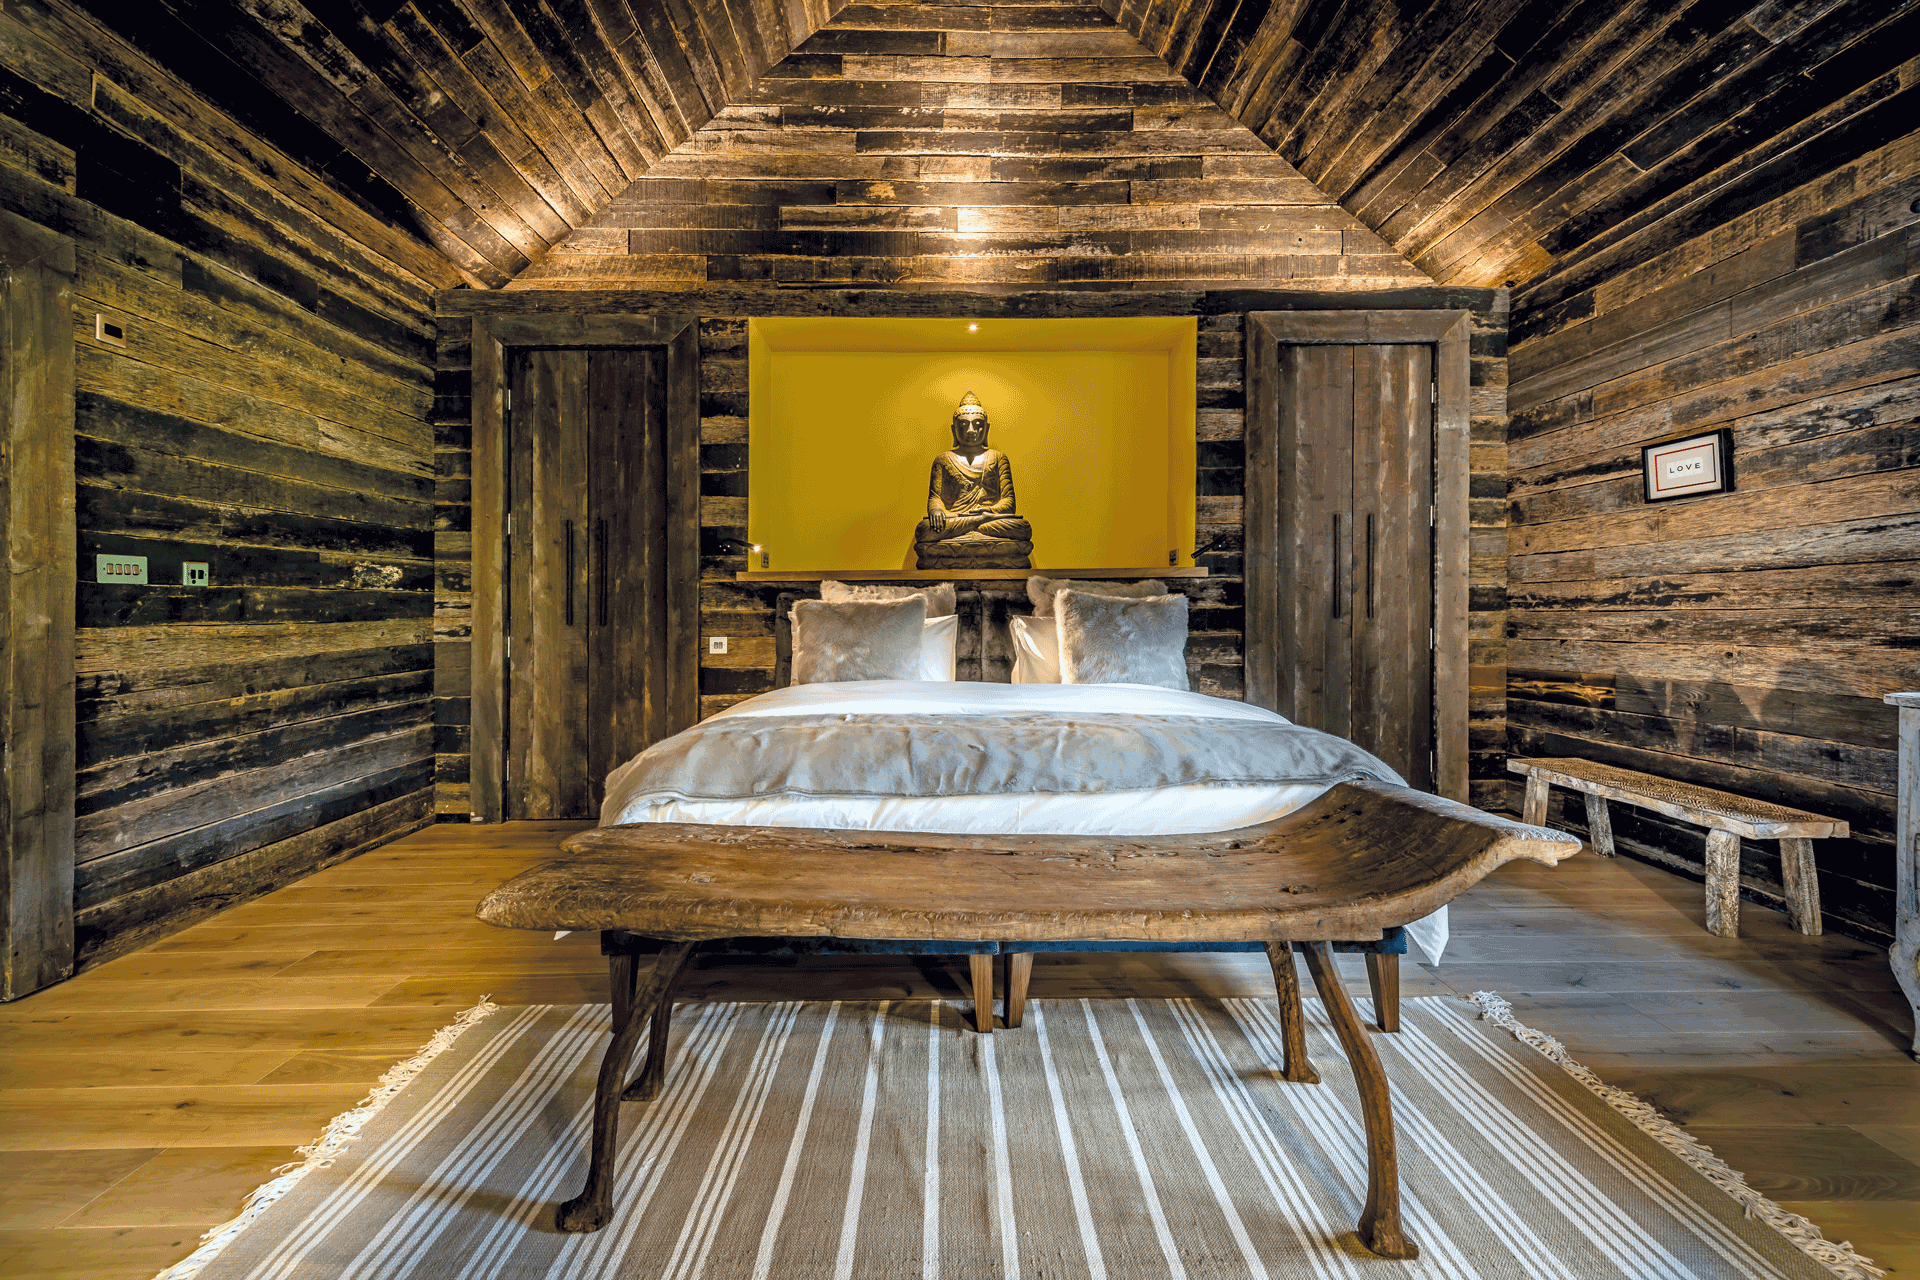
(331,1144)
(1839,1258)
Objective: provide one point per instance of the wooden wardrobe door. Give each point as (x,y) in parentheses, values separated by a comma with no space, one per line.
(627,640)
(1392,593)
(1315,445)
(547,715)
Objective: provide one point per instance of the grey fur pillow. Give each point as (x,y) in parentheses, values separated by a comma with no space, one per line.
(939,595)
(865,640)
(1044,591)
(1114,640)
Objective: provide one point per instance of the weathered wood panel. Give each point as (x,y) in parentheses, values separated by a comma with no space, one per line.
(264,410)
(1739,640)
(910,154)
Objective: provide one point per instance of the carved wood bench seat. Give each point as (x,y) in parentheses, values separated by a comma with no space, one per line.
(1361,858)
(1726,817)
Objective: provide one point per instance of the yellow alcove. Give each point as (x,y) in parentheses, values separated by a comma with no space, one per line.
(847,416)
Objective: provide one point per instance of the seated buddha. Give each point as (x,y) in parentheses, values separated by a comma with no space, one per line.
(971,522)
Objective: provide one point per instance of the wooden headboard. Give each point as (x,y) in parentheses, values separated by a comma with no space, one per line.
(983,651)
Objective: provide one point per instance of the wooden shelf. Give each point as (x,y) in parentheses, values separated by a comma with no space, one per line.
(959,575)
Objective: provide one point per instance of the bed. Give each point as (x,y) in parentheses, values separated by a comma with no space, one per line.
(980,755)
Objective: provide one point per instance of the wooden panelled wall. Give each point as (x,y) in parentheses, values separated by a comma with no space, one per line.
(1741,641)
(987,144)
(267,414)
(494,126)
(1494,141)
(744,611)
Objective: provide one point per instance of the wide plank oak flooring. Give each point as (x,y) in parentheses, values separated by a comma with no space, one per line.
(140,1101)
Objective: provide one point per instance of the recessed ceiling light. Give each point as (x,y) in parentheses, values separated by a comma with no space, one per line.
(973,328)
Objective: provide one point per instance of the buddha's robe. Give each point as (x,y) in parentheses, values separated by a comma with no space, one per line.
(960,488)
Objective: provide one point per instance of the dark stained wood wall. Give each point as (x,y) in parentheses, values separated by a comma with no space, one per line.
(267,415)
(494,127)
(744,611)
(1740,641)
(1493,143)
(1003,144)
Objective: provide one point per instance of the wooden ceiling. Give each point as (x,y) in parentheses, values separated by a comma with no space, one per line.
(1532,142)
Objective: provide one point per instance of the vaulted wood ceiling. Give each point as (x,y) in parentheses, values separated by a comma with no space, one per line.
(1536,142)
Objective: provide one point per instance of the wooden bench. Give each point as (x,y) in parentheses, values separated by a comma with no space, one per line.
(1726,817)
(1360,858)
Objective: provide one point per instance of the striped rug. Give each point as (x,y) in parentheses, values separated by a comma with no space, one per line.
(1106,1138)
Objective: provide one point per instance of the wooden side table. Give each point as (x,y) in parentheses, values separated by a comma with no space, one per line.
(1905,952)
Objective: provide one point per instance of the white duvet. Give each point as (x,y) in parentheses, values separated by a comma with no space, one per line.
(1172,810)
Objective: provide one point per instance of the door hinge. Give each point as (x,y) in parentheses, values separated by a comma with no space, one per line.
(1430,519)
(1433,393)
(1431,644)
(509,524)
(509,646)
(509,404)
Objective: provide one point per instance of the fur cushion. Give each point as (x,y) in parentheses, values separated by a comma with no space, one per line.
(1044,591)
(1112,640)
(867,640)
(939,595)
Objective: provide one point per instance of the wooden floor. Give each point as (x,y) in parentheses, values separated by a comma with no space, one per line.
(139,1101)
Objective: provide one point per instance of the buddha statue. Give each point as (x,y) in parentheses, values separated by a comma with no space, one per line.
(971,523)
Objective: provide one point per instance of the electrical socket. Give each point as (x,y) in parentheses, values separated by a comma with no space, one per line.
(193,573)
(716,644)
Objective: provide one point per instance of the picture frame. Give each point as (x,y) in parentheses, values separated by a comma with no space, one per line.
(1687,467)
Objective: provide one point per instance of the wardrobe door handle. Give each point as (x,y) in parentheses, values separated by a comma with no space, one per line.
(1369,564)
(600,556)
(567,606)
(1336,565)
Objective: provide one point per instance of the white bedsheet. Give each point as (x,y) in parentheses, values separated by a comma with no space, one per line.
(1160,811)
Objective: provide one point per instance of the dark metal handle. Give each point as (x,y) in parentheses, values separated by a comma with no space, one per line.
(1369,564)
(600,557)
(1336,564)
(568,577)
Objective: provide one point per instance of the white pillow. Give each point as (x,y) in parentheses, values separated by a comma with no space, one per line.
(938,639)
(1036,649)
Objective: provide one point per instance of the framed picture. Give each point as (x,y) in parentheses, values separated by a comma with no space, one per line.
(1688,467)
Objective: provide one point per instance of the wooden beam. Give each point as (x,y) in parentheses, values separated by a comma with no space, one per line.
(36,632)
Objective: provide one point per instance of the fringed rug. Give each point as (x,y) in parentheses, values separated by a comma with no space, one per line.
(1117,1138)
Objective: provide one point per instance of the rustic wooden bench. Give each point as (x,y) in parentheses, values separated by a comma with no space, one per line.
(1362,857)
(1726,817)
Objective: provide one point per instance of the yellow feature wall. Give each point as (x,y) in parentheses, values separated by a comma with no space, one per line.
(847,417)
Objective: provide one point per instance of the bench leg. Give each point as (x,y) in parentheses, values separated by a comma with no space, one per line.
(1802,886)
(982,981)
(1019,973)
(1723,884)
(1379,1227)
(1533,809)
(1295,1066)
(1383,975)
(588,1211)
(645,1087)
(1599,825)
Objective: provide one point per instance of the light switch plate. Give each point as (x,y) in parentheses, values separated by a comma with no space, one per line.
(193,573)
(123,570)
(716,644)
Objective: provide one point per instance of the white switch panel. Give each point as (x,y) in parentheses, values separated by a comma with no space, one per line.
(193,573)
(716,644)
(125,570)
